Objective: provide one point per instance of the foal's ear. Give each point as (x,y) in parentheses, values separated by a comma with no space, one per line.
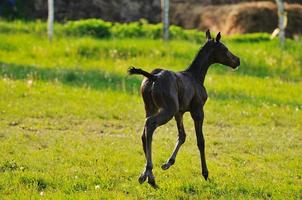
(208,35)
(218,37)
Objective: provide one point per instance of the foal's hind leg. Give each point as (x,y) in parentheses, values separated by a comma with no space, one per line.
(151,124)
(180,141)
(150,111)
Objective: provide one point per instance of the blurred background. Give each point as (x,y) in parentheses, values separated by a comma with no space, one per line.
(227,16)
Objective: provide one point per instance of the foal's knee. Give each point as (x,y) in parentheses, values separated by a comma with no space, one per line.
(150,123)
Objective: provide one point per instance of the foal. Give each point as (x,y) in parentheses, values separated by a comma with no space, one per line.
(168,94)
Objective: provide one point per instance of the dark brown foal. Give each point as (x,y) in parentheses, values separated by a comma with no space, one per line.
(168,94)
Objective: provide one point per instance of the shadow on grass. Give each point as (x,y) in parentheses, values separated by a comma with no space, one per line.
(262,100)
(263,71)
(94,79)
(99,80)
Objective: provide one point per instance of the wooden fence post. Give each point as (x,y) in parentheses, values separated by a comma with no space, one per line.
(165,18)
(282,21)
(50,19)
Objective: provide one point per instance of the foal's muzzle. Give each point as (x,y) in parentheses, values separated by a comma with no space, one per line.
(235,61)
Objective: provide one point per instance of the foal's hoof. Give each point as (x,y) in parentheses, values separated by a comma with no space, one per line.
(205,175)
(153,184)
(142,178)
(166,166)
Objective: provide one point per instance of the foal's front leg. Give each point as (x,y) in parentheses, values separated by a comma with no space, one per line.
(198,117)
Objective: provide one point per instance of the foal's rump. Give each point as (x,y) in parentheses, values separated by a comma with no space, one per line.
(163,91)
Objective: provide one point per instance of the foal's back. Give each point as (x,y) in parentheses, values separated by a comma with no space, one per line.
(171,91)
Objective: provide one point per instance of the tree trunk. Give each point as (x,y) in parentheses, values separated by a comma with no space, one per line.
(50,19)
(281,16)
(165,19)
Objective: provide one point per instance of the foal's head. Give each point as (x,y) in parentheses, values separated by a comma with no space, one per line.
(220,53)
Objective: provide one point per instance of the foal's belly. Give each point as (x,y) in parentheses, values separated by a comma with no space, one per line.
(186,92)
(184,103)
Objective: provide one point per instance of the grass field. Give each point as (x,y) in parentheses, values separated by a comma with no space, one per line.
(71,121)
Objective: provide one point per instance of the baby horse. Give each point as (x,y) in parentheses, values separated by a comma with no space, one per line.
(168,94)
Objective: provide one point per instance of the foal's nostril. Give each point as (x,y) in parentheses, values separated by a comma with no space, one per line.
(238,61)
(235,62)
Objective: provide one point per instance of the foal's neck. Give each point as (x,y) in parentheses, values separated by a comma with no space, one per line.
(200,65)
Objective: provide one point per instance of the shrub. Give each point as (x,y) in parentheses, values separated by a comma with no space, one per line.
(102,29)
(195,35)
(252,37)
(90,27)
(153,31)
(130,30)
(141,29)
(177,32)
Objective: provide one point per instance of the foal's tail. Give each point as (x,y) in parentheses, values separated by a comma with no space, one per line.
(133,70)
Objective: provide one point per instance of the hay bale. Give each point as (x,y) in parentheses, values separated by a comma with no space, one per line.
(237,18)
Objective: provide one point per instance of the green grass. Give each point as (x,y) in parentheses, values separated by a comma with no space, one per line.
(71,120)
